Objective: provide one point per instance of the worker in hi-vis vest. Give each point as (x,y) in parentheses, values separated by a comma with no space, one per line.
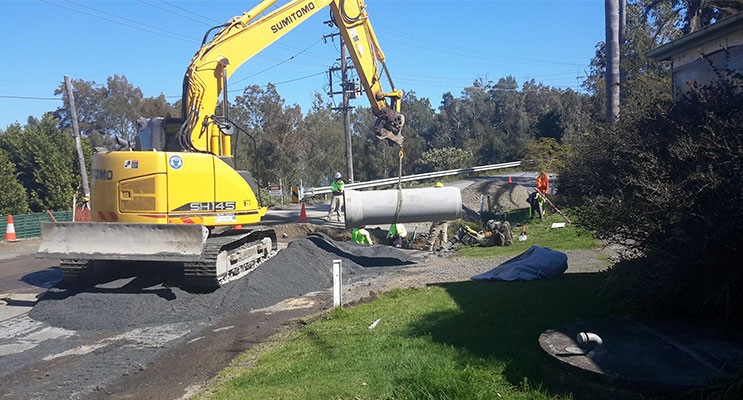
(361,236)
(336,202)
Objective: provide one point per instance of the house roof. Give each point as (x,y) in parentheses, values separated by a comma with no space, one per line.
(696,39)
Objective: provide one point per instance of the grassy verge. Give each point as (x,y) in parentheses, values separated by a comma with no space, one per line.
(465,340)
(540,233)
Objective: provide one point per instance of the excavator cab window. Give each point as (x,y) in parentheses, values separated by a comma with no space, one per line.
(158,134)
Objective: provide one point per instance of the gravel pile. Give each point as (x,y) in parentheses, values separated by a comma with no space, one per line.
(304,266)
(502,195)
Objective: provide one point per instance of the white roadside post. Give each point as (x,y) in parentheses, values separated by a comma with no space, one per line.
(337,283)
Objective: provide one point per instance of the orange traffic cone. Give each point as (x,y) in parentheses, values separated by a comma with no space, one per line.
(10,231)
(509,180)
(303,215)
(237,227)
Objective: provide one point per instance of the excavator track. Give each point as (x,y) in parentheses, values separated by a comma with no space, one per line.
(229,256)
(76,272)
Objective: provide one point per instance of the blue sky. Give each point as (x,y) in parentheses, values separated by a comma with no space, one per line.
(432,47)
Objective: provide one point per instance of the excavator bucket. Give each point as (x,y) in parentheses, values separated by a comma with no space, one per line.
(122,241)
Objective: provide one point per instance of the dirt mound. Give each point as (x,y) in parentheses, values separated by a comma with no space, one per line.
(304,266)
(502,195)
(294,231)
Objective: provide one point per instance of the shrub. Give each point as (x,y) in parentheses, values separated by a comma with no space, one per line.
(443,159)
(666,181)
(545,154)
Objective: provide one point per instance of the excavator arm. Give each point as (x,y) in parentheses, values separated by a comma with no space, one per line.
(244,36)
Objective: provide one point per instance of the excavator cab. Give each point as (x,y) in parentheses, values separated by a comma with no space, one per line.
(158,134)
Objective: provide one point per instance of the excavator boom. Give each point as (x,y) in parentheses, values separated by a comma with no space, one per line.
(243,37)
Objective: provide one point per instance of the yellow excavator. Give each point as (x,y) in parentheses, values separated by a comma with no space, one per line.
(174,196)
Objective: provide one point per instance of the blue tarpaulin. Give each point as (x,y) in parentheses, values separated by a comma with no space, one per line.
(535,263)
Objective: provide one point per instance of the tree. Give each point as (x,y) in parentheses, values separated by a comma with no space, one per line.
(13,199)
(45,160)
(279,133)
(323,150)
(111,110)
(665,182)
(645,81)
(545,154)
(373,159)
(692,15)
(444,159)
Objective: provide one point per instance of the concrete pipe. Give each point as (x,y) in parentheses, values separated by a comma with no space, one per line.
(416,205)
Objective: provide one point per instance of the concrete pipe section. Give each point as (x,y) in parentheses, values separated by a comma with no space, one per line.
(415,205)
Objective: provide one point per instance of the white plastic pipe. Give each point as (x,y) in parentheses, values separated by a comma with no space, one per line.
(416,205)
(584,338)
(337,282)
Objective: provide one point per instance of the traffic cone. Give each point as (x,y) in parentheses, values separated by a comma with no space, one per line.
(237,227)
(10,231)
(303,215)
(509,180)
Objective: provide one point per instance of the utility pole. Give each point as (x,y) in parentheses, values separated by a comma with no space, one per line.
(76,135)
(611,9)
(349,90)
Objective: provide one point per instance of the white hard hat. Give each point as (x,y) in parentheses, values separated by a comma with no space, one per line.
(337,175)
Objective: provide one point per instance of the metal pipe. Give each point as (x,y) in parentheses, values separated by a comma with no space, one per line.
(417,205)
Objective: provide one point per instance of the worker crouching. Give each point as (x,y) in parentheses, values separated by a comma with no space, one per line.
(396,234)
(361,236)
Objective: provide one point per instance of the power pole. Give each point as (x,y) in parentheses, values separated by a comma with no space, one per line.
(349,90)
(346,130)
(76,135)
(611,9)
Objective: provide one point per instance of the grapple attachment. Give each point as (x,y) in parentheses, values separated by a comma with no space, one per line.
(389,125)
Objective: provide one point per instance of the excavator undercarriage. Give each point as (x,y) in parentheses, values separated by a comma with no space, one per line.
(207,260)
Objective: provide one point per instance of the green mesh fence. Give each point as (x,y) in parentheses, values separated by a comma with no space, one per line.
(29,225)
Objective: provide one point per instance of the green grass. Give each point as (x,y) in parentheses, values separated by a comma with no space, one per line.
(540,233)
(465,340)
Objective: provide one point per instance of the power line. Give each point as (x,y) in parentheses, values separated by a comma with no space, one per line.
(276,65)
(418,39)
(190,12)
(119,22)
(130,20)
(4,96)
(290,80)
(266,85)
(174,13)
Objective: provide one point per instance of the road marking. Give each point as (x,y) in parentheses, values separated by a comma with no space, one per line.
(77,351)
(140,338)
(23,333)
(18,326)
(196,339)
(223,328)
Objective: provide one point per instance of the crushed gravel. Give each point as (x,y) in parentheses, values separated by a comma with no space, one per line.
(304,266)
(502,195)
